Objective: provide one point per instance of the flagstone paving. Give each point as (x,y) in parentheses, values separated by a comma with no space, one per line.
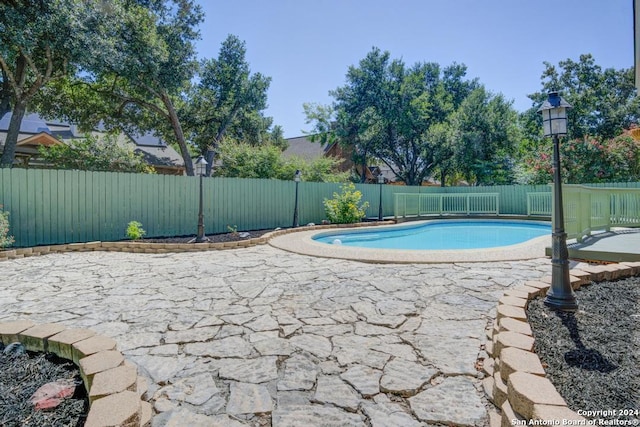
(259,336)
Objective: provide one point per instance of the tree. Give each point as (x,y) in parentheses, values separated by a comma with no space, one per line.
(241,160)
(141,86)
(95,154)
(227,101)
(392,112)
(484,138)
(588,160)
(41,41)
(604,101)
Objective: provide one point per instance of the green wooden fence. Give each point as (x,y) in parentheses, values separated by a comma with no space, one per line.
(61,206)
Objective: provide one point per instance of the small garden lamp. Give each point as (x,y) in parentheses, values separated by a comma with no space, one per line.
(296,178)
(201,167)
(554,122)
(380,182)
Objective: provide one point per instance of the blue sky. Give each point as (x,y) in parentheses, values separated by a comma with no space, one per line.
(307,46)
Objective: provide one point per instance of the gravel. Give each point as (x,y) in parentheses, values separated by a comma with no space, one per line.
(22,374)
(593,356)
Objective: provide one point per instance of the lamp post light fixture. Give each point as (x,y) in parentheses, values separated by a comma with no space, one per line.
(380,182)
(296,178)
(560,295)
(201,167)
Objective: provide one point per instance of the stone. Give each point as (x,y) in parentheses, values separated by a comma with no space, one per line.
(364,379)
(314,415)
(526,390)
(255,371)
(512,339)
(299,374)
(389,415)
(160,369)
(499,390)
(454,401)
(450,355)
(60,343)
(9,330)
(226,347)
(516,360)
(263,323)
(513,301)
(513,325)
(509,416)
(405,378)
(34,338)
(98,362)
(511,311)
(317,345)
(120,409)
(92,345)
(191,335)
(194,390)
(273,347)
(331,389)
(115,380)
(249,399)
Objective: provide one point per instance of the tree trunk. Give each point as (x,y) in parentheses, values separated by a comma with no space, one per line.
(210,158)
(177,131)
(443,175)
(8,155)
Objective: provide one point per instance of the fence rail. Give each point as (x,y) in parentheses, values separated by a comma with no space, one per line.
(417,205)
(539,204)
(64,206)
(588,209)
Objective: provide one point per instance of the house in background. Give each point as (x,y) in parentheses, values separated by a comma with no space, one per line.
(35,131)
(302,146)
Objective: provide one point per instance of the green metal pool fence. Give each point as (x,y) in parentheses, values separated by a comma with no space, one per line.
(61,206)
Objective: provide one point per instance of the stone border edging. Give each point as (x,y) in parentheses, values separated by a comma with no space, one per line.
(159,248)
(516,381)
(113,386)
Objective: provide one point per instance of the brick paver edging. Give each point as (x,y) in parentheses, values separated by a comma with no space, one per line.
(516,381)
(159,248)
(112,383)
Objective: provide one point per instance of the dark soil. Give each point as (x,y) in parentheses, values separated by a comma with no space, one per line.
(593,356)
(213,238)
(22,374)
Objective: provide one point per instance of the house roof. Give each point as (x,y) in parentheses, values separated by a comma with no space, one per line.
(301,146)
(35,130)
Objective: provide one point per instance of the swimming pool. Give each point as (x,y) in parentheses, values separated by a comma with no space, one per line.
(441,235)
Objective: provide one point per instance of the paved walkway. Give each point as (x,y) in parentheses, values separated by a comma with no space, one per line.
(255,336)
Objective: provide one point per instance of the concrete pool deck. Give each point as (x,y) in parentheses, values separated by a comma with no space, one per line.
(303,243)
(260,336)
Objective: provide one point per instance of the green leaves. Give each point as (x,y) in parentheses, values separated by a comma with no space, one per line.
(93,154)
(344,208)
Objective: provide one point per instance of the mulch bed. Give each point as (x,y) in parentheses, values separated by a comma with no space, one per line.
(593,356)
(22,374)
(213,238)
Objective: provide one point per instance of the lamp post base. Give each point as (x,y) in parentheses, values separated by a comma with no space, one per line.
(562,302)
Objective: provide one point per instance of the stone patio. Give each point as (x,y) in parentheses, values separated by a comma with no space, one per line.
(260,336)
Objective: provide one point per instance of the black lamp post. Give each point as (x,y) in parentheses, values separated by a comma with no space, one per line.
(560,295)
(201,167)
(380,182)
(296,178)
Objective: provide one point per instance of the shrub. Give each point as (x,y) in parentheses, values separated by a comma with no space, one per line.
(135,230)
(5,238)
(343,208)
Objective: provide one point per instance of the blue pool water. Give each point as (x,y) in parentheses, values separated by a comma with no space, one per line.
(447,234)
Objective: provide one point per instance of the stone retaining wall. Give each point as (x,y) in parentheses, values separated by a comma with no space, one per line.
(159,248)
(516,381)
(113,386)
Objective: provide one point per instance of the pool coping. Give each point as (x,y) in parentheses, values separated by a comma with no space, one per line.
(302,243)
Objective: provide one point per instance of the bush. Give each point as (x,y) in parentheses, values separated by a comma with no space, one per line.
(343,208)
(5,239)
(135,230)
